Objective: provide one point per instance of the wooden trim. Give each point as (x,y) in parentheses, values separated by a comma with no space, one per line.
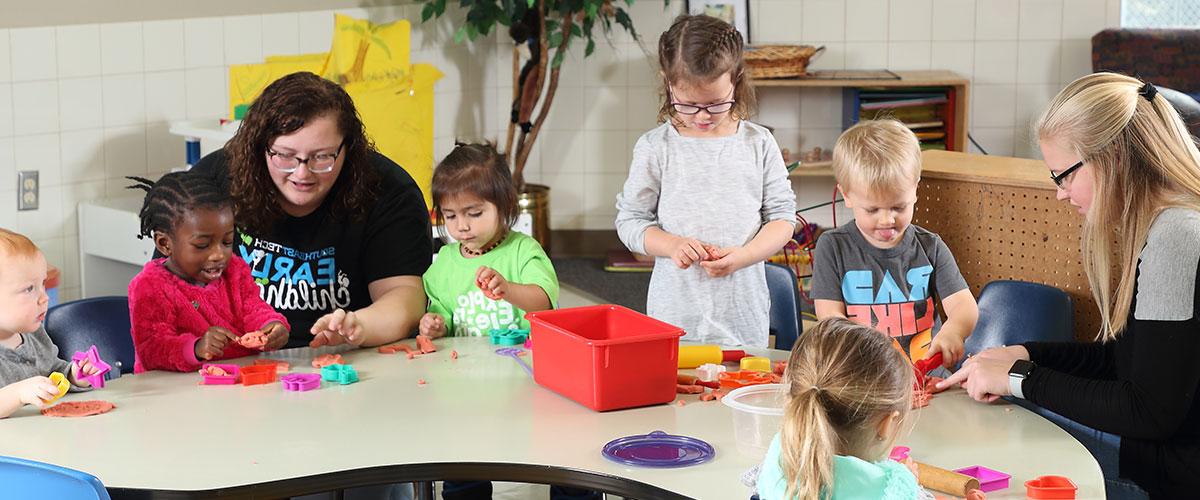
(938,78)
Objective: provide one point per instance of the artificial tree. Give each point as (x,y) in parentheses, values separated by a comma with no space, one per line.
(542,26)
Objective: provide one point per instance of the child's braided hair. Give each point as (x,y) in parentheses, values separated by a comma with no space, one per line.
(173,196)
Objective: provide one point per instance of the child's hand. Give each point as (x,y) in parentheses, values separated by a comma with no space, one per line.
(83,368)
(277,336)
(724,261)
(688,251)
(338,327)
(492,283)
(432,325)
(951,347)
(213,343)
(36,391)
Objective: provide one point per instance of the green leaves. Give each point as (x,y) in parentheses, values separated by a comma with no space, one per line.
(482,16)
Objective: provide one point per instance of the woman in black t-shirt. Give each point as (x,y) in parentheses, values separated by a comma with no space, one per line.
(337,235)
(1121,154)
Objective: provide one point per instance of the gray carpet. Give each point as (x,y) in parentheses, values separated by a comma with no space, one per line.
(624,288)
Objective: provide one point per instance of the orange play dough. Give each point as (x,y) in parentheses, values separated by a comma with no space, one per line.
(253,340)
(425,344)
(78,409)
(326,360)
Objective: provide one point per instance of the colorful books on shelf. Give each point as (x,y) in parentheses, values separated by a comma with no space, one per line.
(927,111)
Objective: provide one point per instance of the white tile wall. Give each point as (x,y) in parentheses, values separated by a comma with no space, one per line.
(88,104)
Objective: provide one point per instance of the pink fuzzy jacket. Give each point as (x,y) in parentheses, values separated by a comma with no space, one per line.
(169,315)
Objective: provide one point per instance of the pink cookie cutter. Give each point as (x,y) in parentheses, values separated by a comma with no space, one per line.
(989,479)
(229,379)
(300,382)
(899,453)
(93,356)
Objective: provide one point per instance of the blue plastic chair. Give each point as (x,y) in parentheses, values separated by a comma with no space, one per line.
(1012,312)
(785,305)
(28,479)
(103,321)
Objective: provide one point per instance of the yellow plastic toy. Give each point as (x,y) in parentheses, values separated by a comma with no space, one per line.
(59,380)
(756,363)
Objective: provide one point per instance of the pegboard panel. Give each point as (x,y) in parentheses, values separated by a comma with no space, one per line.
(1002,232)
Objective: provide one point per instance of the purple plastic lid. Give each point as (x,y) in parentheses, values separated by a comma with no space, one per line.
(658,449)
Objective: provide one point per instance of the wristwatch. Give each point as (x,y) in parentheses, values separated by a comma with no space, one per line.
(1017,374)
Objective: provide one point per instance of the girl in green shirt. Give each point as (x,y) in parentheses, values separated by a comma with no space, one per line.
(490,276)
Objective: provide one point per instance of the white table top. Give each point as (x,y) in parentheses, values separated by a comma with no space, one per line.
(169,433)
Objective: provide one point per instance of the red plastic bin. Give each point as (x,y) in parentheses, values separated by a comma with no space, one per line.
(605,357)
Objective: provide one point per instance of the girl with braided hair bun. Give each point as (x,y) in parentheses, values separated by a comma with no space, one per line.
(707,194)
(196,303)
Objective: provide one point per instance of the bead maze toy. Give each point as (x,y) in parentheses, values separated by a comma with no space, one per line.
(301,382)
(93,357)
(342,374)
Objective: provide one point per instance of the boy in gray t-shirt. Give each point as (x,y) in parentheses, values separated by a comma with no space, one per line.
(27,356)
(880,270)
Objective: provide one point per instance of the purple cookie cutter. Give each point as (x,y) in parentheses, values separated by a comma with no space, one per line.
(93,356)
(300,382)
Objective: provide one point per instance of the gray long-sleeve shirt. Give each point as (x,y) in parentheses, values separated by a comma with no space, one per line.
(37,356)
(719,191)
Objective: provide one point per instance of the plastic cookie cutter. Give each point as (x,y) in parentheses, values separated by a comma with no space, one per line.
(511,336)
(215,374)
(1050,487)
(93,357)
(924,366)
(989,480)
(735,380)
(60,381)
(342,374)
(301,382)
(258,374)
(756,363)
(900,454)
(709,372)
(515,353)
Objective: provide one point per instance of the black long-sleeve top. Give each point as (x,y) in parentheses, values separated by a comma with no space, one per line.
(1144,386)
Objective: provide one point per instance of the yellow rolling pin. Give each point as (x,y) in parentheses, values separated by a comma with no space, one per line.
(691,356)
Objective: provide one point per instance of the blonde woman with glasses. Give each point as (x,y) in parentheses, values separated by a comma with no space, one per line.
(1119,153)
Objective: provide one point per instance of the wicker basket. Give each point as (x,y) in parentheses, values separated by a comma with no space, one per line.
(779,61)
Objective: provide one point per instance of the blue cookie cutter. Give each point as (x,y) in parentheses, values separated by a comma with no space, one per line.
(509,336)
(342,374)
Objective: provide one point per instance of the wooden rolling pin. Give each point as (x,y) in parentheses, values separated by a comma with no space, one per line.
(945,481)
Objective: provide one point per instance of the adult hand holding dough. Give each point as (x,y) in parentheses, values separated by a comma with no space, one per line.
(338,327)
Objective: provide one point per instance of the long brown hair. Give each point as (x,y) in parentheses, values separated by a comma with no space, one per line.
(698,50)
(284,107)
(843,379)
(1143,160)
(478,170)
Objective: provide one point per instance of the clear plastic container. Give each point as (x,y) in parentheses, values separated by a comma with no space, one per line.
(757,415)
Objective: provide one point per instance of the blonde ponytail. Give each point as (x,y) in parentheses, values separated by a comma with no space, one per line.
(843,379)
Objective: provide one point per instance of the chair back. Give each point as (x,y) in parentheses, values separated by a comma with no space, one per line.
(101,321)
(1012,312)
(785,305)
(29,479)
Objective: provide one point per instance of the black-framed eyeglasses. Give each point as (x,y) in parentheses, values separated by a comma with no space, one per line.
(321,163)
(692,109)
(1062,176)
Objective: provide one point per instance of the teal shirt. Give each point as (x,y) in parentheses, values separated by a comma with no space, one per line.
(853,478)
(450,285)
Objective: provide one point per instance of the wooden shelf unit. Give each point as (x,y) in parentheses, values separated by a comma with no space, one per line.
(960,91)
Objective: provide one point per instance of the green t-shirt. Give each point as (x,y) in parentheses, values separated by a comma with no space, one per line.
(450,285)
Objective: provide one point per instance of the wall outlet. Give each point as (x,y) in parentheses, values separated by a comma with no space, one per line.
(27,190)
